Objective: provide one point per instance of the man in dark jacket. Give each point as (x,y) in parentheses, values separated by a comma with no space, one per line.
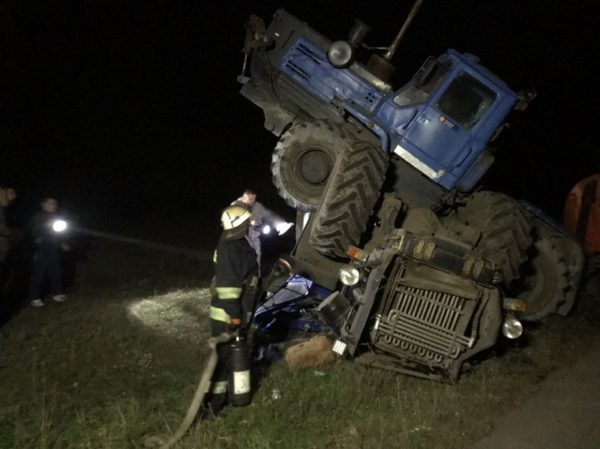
(48,243)
(263,220)
(233,293)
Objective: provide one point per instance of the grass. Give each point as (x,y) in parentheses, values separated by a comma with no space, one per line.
(118,364)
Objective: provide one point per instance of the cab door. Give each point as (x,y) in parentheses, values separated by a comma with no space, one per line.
(442,132)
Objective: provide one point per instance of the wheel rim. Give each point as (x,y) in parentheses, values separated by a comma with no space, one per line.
(307,173)
(313,167)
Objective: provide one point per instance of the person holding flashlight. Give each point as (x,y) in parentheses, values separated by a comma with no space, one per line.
(48,239)
(262,221)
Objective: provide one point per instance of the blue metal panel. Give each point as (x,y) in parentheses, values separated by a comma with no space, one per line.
(285,306)
(395,117)
(307,64)
(376,126)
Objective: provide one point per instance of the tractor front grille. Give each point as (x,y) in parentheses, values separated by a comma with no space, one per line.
(424,326)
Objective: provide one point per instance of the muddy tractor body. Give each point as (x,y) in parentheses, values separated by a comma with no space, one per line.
(400,259)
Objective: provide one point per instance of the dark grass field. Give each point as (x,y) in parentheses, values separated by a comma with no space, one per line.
(117,365)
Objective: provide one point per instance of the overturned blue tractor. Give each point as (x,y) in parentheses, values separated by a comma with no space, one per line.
(399,257)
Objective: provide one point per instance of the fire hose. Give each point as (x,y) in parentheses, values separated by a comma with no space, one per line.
(200,390)
(209,369)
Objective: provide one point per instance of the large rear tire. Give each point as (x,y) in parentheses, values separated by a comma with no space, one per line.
(547,283)
(497,227)
(349,198)
(303,160)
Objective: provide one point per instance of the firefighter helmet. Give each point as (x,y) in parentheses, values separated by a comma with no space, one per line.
(234,216)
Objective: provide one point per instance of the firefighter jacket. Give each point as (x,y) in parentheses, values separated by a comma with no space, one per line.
(235,283)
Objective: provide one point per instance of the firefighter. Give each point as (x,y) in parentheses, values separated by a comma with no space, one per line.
(233,291)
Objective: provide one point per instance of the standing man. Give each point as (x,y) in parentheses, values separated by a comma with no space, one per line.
(47,255)
(261,218)
(7,196)
(233,291)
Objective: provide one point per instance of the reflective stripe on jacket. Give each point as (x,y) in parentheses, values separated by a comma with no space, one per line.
(235,273)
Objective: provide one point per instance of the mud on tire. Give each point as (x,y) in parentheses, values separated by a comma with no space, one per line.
(497,227)
(348,200)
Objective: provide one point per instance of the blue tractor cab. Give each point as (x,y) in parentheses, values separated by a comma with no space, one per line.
(439,122)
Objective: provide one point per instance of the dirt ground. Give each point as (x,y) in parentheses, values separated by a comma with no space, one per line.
(565,411)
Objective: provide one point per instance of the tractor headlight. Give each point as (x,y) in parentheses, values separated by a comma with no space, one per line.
(340,54)
(349,275)
(59,225)
(512,328)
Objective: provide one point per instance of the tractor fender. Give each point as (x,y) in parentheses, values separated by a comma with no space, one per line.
(371,126)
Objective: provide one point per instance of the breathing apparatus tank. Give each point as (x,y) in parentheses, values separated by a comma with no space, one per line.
(239,390)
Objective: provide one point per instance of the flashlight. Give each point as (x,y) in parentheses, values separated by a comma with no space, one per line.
(283,227)
(59,225)
(266,229)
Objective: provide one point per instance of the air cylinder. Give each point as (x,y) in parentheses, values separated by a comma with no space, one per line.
(239,390)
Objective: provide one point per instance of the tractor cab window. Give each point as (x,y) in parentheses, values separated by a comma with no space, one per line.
(423,84)
(466,100)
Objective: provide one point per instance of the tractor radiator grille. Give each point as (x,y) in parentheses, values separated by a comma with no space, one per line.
(425,326)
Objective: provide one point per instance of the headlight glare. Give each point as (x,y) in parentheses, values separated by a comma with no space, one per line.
(512,328)
(349,275)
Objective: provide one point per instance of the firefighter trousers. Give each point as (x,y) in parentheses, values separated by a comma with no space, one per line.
(217,395)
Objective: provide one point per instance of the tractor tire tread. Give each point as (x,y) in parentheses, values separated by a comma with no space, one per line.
(504,229)
(348,201)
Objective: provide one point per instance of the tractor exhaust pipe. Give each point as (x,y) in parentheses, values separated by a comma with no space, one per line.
(389,54)
(380,66)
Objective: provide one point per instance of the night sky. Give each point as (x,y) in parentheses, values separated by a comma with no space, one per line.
(131,109)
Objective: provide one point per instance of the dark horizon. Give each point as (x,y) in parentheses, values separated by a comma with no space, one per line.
(132,109)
